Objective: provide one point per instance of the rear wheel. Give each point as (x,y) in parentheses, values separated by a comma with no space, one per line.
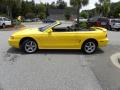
(29,46)
(3,25)
(118,29)
(109,28)
(89,47)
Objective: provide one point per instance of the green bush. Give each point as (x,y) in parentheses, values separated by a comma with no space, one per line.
(42,15)
(67,16)
(83,24)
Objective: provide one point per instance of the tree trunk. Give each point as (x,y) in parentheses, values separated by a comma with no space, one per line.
(78,9)
(11,16)
(9,12)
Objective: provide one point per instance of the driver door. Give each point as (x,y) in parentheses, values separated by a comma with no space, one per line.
(60,40)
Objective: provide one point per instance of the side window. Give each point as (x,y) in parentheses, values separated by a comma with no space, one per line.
(0,19)
(59,29)
(63,28)
(118,21)
(112,21)
(103,19)
(6,19)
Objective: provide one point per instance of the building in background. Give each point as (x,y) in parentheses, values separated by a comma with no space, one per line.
(59,14)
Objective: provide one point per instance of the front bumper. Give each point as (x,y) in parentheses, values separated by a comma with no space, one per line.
(13,43)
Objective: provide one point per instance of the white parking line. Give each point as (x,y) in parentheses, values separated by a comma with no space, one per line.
(114,59)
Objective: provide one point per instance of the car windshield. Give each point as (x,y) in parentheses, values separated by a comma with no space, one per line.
(42,29)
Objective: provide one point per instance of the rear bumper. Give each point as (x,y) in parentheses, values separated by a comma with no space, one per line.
(103,42)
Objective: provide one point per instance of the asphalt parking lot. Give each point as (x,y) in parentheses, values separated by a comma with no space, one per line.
(58,69)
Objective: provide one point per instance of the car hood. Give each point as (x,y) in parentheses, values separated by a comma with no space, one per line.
(25,31)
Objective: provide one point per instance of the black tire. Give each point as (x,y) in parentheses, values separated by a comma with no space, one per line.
(93,46)
(3,25)
(118,29)
(109,28)
(25,46)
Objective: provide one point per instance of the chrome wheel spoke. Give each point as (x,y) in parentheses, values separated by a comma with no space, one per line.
(86,46)
(33,46)
(29,49)
(31,43)
(27,45)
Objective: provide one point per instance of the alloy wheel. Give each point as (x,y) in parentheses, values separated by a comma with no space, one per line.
(30,46)
(90,47)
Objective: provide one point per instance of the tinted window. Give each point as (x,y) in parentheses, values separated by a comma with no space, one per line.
(6,19)
(93,19)
(0,19)
(59,29)
(103,19)
(116,21)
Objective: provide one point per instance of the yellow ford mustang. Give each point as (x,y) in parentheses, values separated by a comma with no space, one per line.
(59,36)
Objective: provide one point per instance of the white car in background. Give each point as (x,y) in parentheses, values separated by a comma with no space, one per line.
(5,22)
(115,24)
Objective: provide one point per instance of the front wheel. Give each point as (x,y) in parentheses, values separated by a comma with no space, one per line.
(29,46)
(89,47)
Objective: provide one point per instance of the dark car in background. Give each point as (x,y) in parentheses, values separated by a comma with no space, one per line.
(99,22)
(35,20)
(48,21)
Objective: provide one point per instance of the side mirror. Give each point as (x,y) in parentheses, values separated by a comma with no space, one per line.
(49,31)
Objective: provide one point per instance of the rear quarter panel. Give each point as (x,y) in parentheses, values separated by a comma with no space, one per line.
(97,35)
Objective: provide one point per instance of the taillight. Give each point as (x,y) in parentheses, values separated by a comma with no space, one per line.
(106,35)
(97,23)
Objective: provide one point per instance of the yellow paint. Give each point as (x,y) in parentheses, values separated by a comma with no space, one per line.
(59,40)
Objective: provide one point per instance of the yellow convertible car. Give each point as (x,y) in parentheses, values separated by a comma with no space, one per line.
(59,36)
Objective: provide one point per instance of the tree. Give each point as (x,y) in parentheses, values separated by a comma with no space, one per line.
(30,15)
(29,9)
(9,5)
(53,5)
(67,13)
(98,9)
(103,7)
(78,4)
(61,4)
(47,9)
(42,15)
(41,10)
(84,14)
(101,1)
(115,10)
(106,7)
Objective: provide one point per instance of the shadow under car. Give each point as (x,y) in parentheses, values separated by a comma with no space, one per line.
(53,51)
